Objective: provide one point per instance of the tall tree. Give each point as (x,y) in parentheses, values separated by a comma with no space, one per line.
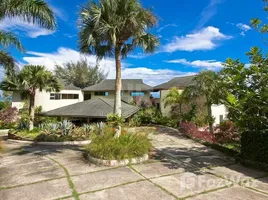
(30,79)
(80,73)
(206,84)
(31,11)
(115,28)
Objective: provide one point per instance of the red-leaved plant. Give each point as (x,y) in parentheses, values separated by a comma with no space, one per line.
(226,132)
(8,116)
(191,130)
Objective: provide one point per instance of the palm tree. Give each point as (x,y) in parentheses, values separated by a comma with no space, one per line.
(206,85)
(175,97)
(114,28)
(30,79)
(31,11)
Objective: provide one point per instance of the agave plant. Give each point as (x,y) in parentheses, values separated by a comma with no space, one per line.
(87,128)
(66,127)
(49,127)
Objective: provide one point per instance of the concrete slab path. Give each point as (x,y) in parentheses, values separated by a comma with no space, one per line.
(178,169)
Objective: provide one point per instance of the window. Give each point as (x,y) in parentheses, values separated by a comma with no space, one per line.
(101,93)
(70,96)
(137,94)
(56,96)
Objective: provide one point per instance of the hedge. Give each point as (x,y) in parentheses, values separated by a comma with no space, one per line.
(254,146)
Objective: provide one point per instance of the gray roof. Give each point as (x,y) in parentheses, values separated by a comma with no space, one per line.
(94,108)
(127,85)
(179,82)
(68,86)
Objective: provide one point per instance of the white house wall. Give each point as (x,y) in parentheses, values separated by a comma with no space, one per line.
(218,111)
(43,99)
(16,100)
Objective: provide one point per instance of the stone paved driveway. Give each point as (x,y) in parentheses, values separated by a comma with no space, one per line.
(179,169)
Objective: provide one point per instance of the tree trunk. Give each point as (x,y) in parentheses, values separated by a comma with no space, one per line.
(210,122)
(118,87)
(31,111)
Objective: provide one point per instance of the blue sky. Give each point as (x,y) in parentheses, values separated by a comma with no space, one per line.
(194,35)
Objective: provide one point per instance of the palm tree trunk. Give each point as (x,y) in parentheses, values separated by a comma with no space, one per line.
(118,86)
(31,111)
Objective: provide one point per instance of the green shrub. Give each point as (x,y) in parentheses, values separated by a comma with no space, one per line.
(254,146)
(154,116)
(134,121)
(128,145)
(166,121)
(115,120)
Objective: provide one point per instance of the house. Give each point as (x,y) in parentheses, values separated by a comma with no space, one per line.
(49,101)
(219,112)
(131,88)
(95,98)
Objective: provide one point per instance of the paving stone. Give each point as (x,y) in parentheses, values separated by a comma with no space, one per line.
(208,161)
(21,160)
(136,191)
(150,170)
(236,173)
(186,142)
(83,167)
(259,184)
(234,193)
(181,151)
(185,184)
(100,180)
(20,169)
(44,190)
(19,179)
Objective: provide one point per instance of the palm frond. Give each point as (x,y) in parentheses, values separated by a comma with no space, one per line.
(9,39)
(110,24)
(31,11)
(6,60)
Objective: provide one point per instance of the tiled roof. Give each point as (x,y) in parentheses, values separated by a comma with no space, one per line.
(94,108)
(127,85)
(179,82)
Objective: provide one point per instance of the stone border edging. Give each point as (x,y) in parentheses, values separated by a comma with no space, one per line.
(74,143)
(117,163)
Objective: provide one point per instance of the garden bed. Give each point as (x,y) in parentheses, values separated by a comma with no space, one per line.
(43,139)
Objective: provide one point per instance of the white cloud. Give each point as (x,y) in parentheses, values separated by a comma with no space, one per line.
(138,55)
(166,26)
(243,27)
(69,35)
(63,55)
(59,13)
(207,64)
(28,29)
(204,39)
(208,12)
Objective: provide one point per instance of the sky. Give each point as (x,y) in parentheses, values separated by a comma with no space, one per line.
(194,35)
